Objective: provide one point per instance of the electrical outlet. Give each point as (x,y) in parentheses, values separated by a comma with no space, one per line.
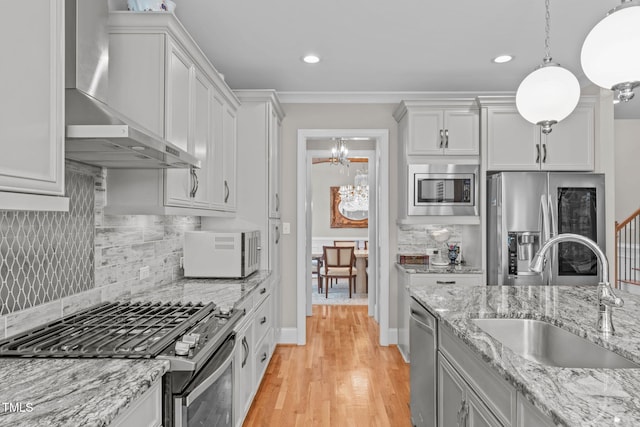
(144,272)
(286,227)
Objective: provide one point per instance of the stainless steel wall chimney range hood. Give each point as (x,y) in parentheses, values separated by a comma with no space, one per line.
(96,134)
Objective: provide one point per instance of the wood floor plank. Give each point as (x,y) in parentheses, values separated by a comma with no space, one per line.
(341,377)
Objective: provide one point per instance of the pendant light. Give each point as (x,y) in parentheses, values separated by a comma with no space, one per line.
(550,93)
(609,54)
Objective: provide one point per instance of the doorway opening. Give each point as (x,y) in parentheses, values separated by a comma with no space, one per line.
(377,154)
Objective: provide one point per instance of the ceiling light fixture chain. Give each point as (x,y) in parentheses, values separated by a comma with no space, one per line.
(547,31)
(550,93)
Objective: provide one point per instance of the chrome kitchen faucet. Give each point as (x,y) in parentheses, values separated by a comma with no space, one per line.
(606,298)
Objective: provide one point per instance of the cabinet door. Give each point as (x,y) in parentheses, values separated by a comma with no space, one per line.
(426,132)
(570,146)
(274,163)
(32,105)
(229,137)
(201,141)
(217,151)
(451,394)
(244,371)
(512,142)
(462,132)
(274,247)
(178,109)
(477,413)
(530,416)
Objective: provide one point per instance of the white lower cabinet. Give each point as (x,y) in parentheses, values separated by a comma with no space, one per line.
(255,336)
(458,404)
(146,411)
(471,394)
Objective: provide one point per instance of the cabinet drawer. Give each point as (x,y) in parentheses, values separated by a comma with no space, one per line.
(263,355)
(446,279)
(262,320)
(262,291)
(498,394)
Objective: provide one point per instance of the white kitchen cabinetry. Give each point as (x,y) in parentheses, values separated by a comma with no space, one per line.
(440,127)
(32,107)
(530,416)
(256,337)
(512,143)
(458,404)
(259,121)
(146,411)
(161,79)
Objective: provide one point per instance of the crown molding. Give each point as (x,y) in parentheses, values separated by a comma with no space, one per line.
(372,97)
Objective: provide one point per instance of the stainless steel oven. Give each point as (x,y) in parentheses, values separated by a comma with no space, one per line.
(208,399)
(443,189)
(197,339)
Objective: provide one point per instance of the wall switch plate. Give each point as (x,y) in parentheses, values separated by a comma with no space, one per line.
(286,228)
(144,272)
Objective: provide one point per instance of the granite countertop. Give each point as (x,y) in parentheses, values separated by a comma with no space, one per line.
(72,392)
(92,392)
(426,269)
(226,293)
(571,397)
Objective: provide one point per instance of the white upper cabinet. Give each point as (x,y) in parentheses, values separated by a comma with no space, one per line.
(161,79)
(512,143)
(440,127)
(274,124)
(32,106)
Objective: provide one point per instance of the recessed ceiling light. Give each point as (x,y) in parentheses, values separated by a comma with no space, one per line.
(311,59)
(502,59)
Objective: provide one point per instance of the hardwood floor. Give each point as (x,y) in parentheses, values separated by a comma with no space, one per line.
(342,377)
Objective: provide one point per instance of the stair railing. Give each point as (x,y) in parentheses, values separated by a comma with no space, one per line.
(627,250)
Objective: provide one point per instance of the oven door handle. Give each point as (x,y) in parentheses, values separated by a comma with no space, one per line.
(204,385)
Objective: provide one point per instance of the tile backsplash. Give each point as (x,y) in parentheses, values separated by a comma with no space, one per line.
(48,255)
(415,239)
(55,263)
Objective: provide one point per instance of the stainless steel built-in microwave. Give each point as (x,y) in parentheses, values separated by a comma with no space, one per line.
(443,189)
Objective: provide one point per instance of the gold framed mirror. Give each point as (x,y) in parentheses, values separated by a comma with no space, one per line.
(341,218)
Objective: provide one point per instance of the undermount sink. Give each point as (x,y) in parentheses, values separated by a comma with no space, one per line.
(550,345)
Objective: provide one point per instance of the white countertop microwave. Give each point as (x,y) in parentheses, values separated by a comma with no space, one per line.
(221,254)
(443,189)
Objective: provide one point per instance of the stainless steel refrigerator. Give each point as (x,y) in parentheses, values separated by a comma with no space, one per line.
(524,209)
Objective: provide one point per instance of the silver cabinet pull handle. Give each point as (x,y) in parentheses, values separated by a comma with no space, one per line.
(226,191)
(264,357)
(544,157)
(538,150)
(245,345)
(263,320)
(277,202)
(446,138)
(445,282)
(195,184)
(441,138)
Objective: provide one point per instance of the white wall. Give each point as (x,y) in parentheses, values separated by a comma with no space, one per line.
(330,116)
(324,176)
(627,167)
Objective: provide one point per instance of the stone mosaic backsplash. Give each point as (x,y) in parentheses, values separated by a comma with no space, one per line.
(53,264)
(415,239)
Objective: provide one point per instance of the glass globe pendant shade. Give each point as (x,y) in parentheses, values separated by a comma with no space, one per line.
(609,55)
(547,95)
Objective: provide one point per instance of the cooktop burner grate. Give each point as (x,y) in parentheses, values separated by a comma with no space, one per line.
(133,330)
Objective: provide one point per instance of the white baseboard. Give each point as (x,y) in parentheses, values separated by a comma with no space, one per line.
(288,336)
(392,335)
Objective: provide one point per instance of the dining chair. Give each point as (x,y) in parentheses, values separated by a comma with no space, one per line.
(345,243)
(338,264)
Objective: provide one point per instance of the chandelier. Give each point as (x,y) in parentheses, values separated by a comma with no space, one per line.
(356,197)
(339,153)
(550,93)
(609,54)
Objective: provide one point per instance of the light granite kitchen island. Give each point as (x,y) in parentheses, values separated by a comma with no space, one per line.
(569,397)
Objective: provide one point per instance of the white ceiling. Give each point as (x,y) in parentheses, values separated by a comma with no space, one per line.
(388,46)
